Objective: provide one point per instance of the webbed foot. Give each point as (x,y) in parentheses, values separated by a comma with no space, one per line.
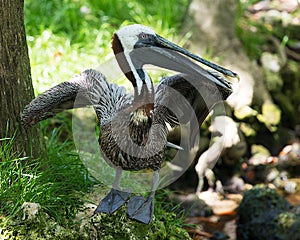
(141,209)
(113,201)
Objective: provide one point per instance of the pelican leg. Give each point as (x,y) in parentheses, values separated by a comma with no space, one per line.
(115,198)
(140,208)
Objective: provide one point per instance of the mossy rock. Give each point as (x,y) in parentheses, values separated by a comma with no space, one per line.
(41,227)
(119,227)
(263,214)
(37,224)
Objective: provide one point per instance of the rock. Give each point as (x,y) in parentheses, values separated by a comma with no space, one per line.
(260,155)
(219,236)
(220,205)
(32,222)
(119,226)
(30,210)
(280,5)
(290,155)
(290,187)
(192,205)
(263,214)
(234,185)
(270,62)
(270,116)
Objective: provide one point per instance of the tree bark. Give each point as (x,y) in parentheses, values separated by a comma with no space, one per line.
(16,88)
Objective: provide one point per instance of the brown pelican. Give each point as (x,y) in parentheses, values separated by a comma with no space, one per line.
(133,133)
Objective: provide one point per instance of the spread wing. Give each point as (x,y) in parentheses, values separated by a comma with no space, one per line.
(88,88)
(187,98)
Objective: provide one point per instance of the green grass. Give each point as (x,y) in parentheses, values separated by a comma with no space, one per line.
(78,20)
(57,184)
(66,37)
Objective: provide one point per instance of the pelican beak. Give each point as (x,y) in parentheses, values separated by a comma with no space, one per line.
(163,53)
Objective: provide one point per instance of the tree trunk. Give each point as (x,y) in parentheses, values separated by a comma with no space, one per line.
(15,80)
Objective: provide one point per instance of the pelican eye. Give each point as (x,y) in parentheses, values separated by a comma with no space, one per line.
(143,36)
(145,40)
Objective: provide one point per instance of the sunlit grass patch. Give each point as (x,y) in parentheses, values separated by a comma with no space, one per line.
(57,184)
(69,36)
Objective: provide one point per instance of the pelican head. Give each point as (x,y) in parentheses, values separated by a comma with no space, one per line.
(137,45)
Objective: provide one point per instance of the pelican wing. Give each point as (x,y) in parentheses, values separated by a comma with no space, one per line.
(88,88)
(187,98)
